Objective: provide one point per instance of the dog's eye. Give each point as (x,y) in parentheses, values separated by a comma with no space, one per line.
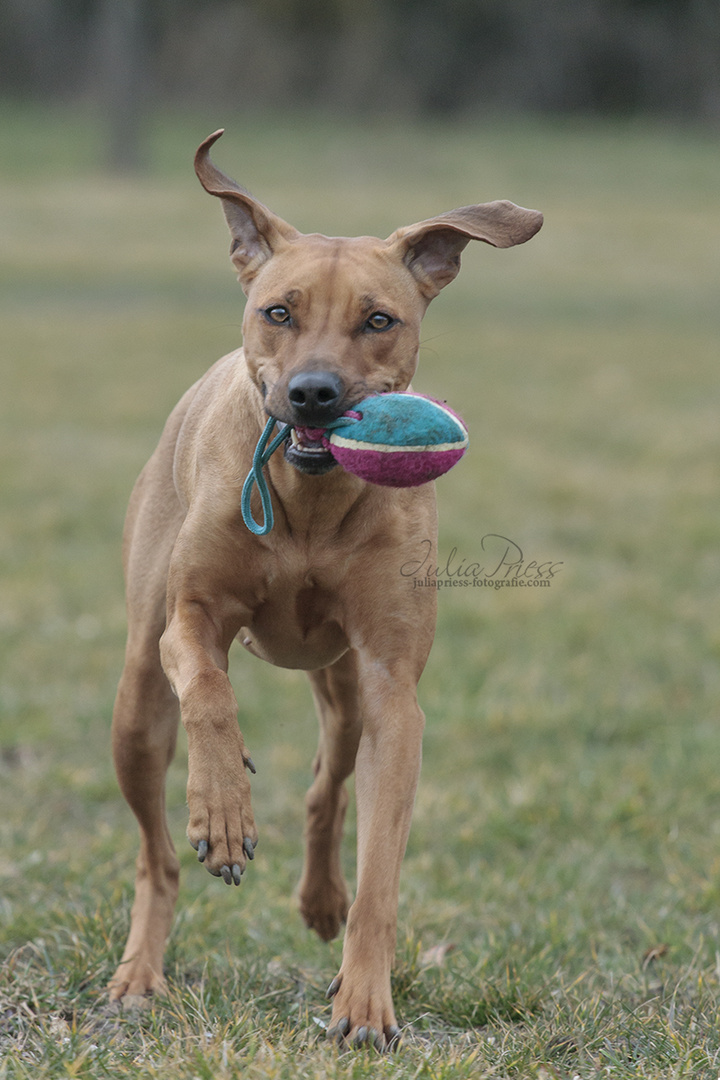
(277,314)
(379,321)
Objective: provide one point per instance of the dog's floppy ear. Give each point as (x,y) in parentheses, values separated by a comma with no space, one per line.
(431,249)
(256,232)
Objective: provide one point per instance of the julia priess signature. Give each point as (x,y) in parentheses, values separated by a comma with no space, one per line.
(502,565)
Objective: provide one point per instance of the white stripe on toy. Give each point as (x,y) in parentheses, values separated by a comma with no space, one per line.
(391,448)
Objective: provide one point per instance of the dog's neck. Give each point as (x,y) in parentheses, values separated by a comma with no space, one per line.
(314,505)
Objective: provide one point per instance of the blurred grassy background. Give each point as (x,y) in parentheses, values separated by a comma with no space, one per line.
(568,818)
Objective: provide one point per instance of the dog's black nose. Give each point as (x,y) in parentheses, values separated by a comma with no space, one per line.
(315,397)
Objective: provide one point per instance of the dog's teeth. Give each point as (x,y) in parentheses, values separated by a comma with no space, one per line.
(313,448)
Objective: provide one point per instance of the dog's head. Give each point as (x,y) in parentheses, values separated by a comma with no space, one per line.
(331,320)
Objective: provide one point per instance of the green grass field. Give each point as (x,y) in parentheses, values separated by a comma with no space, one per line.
(566,839)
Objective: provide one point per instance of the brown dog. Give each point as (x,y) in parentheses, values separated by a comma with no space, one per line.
(327,322)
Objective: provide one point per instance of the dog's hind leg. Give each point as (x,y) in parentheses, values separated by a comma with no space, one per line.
(144,733)
(323,893)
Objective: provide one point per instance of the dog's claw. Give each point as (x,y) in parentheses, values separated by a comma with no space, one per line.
(393,1037)
(231,876)
(333,988)
(202,850)
(361,1037)
(338,1033)
(250,764)
(249,847)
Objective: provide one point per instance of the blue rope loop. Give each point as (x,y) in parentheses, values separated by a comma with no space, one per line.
(261,456)
(255,476)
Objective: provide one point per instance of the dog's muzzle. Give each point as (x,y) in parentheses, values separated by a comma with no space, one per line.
(315,401)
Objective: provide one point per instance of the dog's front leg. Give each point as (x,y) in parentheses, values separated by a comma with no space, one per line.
(221,826)
(387,770)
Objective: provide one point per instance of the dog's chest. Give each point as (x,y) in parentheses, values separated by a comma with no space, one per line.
(296,623)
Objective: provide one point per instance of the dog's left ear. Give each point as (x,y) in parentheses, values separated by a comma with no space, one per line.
(256,232)
(431,249)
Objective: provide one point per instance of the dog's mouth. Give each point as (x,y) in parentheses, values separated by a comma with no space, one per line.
(307,450)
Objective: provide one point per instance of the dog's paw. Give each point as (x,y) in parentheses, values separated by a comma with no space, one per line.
(134,984)
(222,827)
(361,1018)
(231,875)
(324,906)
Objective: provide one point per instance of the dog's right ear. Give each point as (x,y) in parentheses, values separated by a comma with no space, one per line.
(256,232)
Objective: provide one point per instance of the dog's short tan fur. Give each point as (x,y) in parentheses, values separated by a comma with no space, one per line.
(322,592)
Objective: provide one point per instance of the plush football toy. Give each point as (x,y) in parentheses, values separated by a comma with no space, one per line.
(398,440)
